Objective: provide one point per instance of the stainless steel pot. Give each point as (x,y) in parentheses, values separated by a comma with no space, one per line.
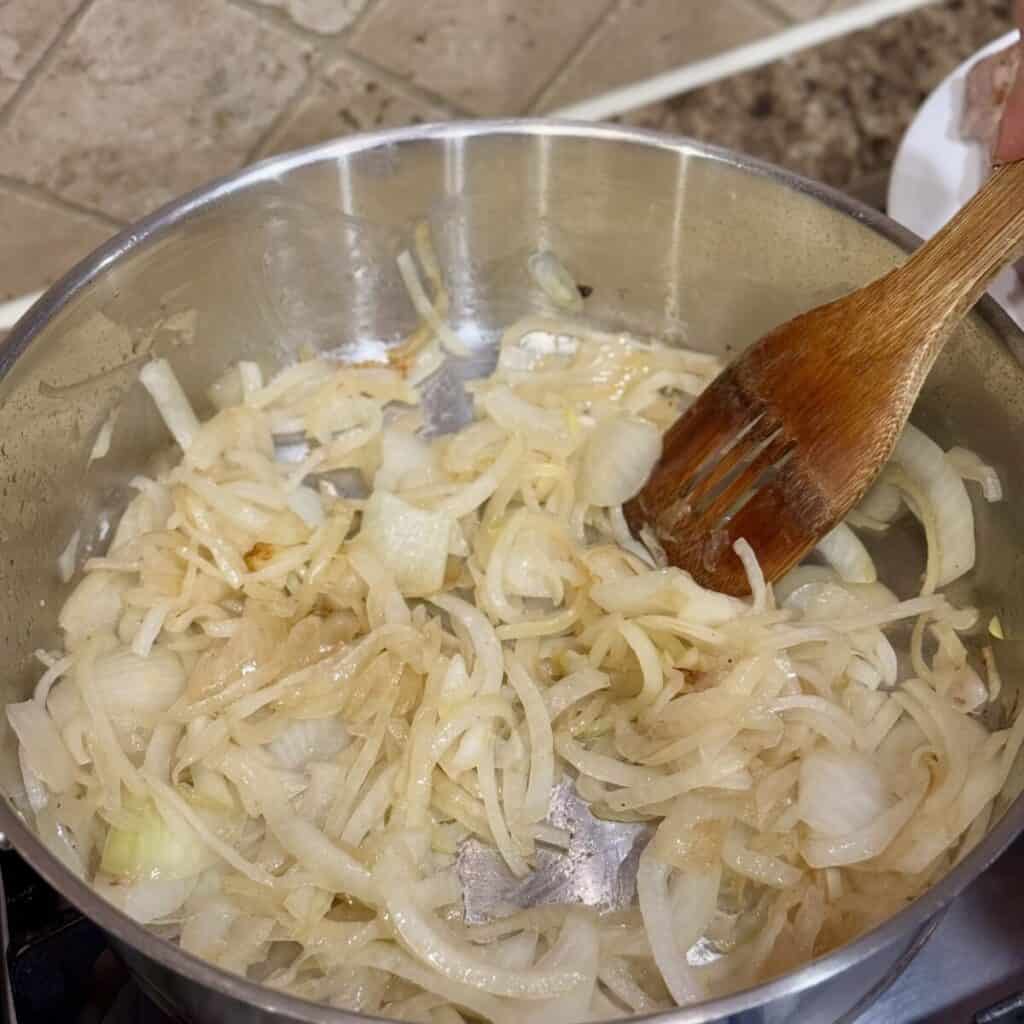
(675,238)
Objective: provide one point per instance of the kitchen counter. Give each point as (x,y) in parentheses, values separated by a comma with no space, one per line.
(837,112)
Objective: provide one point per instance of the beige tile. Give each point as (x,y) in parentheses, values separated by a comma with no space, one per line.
(27,28)
(41,240)
(139,107)
(645,37)
(487,56)
(343,101)
(324,16)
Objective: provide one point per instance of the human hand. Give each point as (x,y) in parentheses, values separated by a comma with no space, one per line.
(1010,145)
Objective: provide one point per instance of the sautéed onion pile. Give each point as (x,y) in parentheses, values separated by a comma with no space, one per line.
(280,707)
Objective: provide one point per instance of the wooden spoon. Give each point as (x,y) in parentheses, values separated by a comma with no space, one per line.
(788,438)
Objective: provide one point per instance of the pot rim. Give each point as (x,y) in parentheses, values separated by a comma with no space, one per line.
(911,919)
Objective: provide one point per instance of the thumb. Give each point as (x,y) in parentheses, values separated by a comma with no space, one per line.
(1010,143)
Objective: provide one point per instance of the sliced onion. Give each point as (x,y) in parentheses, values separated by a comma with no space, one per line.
(694,894)
(971,467)
(488,660)
(101,446)
(35,792)
(542,767)
(802,576)
(427,309)
(617,976)
(169,802)
(939,499)
(531,567)
(149,510)
(226,390)
(572,688)
(373,808)
(133,686)
(576,949)
(411,542)
(406,460)
(863,843)
(650,666)
(388,957)
(682,981)
(148,900)
(430,941)
(303,840)
(251,377)
(546,430)
(316,739)
(306,504)
(844,552)
(66,560)
(554,280)
(205,932)
(759,867)
(496,817)
(160,381)
(43,747)
(666,591)
(879,508)
(840,792)
(95,604)
(147,847)
(759,594)
(470,497)
(619,456)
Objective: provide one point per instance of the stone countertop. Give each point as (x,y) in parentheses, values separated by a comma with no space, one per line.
(837,112)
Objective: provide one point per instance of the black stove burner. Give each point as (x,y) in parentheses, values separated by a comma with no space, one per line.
(60,964)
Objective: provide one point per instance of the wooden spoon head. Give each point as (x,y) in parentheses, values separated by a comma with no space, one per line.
(780,447)
(786,441)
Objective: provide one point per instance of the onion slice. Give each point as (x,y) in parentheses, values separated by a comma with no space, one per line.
(938,498)
(682,981)
(430,942)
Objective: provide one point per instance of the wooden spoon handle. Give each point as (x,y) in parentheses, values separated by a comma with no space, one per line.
(949,273)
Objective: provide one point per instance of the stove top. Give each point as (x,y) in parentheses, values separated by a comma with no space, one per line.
(60,967)
(971,971)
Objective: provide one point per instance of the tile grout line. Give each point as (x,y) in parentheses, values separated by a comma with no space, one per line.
(357,21)
(281,21)
(770,8)
(775,47)
(613,8)
(334,48)
(284,115)
(398,83)
(44,63)
(27,190)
